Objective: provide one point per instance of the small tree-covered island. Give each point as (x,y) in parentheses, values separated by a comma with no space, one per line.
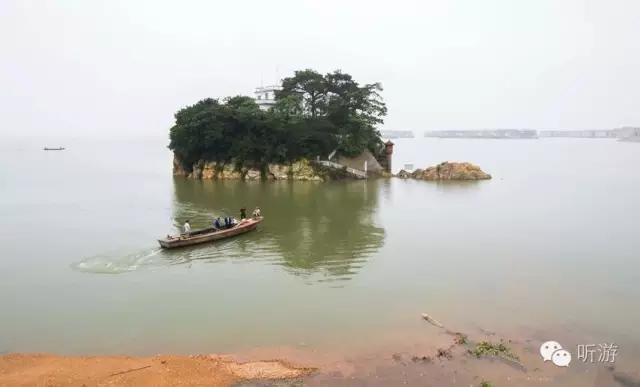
(320,127)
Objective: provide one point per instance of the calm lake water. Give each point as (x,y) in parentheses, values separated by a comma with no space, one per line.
(551,244)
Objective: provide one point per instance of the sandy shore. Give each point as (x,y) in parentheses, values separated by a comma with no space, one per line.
(442,359)
(454,368)
(161,370)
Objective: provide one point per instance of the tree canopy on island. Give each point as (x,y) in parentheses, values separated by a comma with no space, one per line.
(313,116)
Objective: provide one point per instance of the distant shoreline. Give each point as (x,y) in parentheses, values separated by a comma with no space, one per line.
(532,134)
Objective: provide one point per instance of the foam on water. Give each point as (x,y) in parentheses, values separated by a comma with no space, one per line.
(120,262)
(114,264)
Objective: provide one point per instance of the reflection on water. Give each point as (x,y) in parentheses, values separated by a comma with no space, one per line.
(309,229)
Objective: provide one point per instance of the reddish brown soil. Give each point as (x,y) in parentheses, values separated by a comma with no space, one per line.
(200,370)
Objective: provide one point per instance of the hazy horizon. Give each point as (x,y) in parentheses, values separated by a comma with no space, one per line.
(91,69)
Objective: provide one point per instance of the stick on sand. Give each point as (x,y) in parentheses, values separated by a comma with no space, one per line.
(432,320)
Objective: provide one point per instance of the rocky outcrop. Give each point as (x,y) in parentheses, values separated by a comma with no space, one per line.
(178,168)
(300,170)
(447,171)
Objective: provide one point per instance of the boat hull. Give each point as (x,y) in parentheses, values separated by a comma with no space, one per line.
(209,235)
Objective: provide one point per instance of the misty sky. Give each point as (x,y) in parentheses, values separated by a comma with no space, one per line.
(94,67)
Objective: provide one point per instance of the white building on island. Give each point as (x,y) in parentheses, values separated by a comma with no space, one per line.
(265,96)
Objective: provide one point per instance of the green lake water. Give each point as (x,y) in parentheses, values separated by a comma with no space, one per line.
(550,245)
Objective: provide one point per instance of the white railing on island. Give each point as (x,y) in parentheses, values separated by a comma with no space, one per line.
(355,172)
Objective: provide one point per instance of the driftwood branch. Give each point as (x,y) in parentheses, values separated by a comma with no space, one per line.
(432,320)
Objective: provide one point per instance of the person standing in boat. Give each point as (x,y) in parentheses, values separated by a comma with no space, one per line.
(187,227)
(216,223)
(243,213)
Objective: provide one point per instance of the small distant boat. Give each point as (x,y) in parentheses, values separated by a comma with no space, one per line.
(209,234)
(53,149)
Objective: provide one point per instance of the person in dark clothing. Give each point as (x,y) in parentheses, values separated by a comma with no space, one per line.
(217,224)
(243,213)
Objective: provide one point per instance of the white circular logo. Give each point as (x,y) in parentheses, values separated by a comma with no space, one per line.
(547,349)
(561,358)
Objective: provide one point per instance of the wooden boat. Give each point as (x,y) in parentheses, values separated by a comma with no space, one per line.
(209,234)
(53,149)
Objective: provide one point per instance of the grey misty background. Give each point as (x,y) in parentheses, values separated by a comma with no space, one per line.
(104,68)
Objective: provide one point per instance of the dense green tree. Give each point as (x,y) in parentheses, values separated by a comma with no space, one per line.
(309,89)
(198,132)
(313,115)
(354,111)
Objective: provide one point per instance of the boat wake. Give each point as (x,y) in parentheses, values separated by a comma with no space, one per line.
(114,264)
(122,262)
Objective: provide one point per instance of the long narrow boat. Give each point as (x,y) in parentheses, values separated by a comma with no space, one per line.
(53,149)
(209,234)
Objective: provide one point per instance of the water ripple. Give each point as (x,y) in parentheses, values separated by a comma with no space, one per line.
(109,264)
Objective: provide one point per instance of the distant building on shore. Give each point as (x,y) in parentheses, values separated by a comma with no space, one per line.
(596,133)
(628,133)
(484,133)
(624,133)
(265,96)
